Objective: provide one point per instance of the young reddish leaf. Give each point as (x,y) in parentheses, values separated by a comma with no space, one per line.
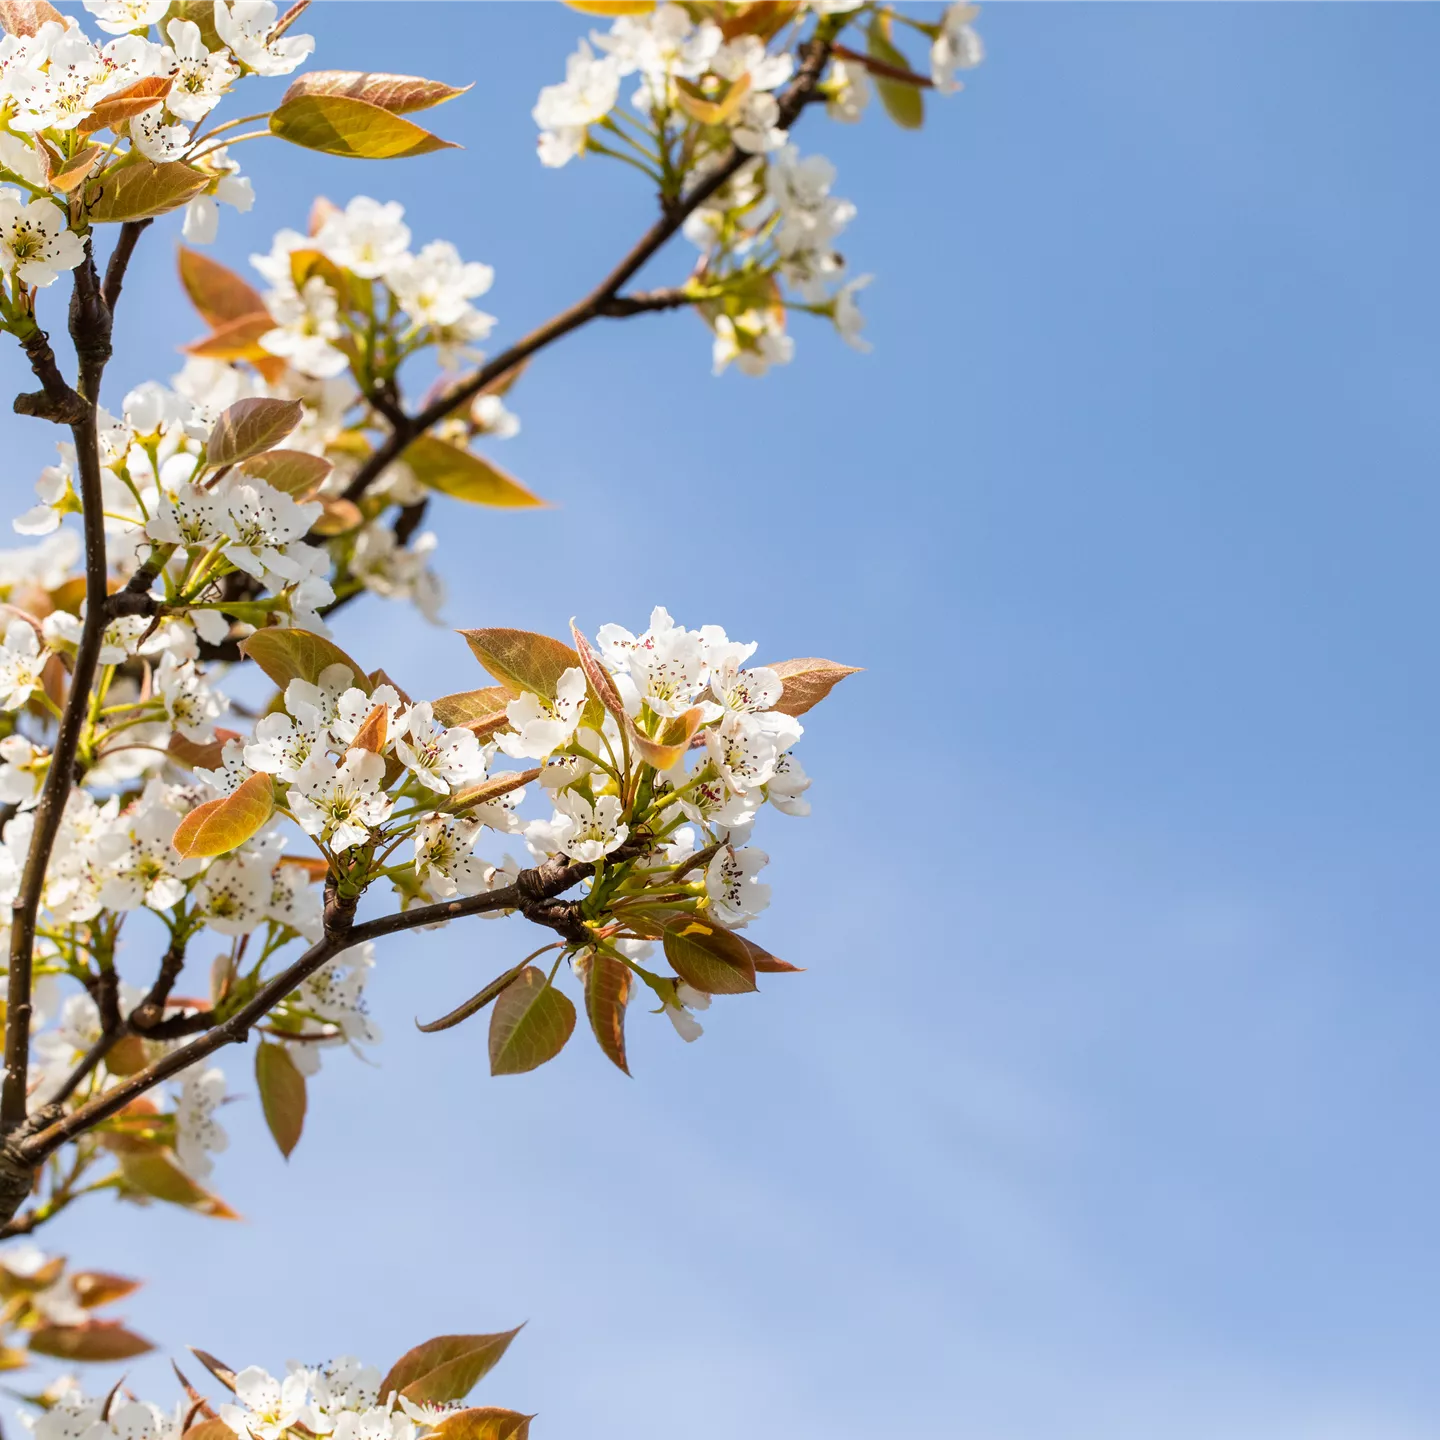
(612,7)
(76,169)
(339,516)
(530,1024)
(373,732)
(484,1422)
(473,1005)
(293,471)
(491,789)
(25,17)
(711,112)
(599,677)
(237,339)
(195,756)
(672,742)
(607,992)
(42,1278)
(399,94)
(218,1368)
(766,963)
(212,1428)
(115,109)
(286,655)
(282,1094)
(216,291)
(379,678)
(340,125)
(480,710)
(708,956)
(250,427)
(136,192)
(219,826)
(808,682)
(155,1172)
(903,102)
(90,1340)
(521,660)
(445,1368)
(452,471)
(126,1056)
(94,1288)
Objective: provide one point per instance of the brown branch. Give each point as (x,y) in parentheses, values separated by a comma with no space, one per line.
(642,301)
(130,233)
(815,54)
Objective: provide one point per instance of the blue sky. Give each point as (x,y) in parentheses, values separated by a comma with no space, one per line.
(1105,1106)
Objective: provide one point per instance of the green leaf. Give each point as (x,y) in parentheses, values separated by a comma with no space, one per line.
(250,427)
(282,1094)
(340,125)
(522,660)
(286,655)
(807,682)
(485,1422)
(399,94)
(445,1368)
(155,1172)
(708,956)
(136,192)
(447,468)
(91,1340)
(905,104)
(530,1024)
(296,472)
(219,826)
(607,992)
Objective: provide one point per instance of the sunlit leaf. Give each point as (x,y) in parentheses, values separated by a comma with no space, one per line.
(115,109)
(250,427)
(473,1005)
(135,192)
(94,1288)
(447,468)
(212,1429)
(90,1340)
(905,104)
(673,740)
(340,125)
(286,655)
(219,826)
(338,517)
(25,17)
(491,789)
(479,710)
(445,1368)
(295,472)
(808,682)
(195,756)
(237,339)
(484,1422)
(612,7)
(41,1278)
(282,1094)
(522,660)
(13,1359)
(760,17)
(607,992)
(602,686)
(530,1024)
(765,963)
(154,1171)
(708,957)
(373,732)
(399,94)
(218,1368)
(75,170)
(711,112)
(201,13)
(217,292)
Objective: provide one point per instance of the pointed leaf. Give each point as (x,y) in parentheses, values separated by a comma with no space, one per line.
(155,1172)
(216,291)
(485,1422)
(340,125)
(445,1368)
(94,1288)
(76,169)
(521,660)
(612,7)
(766,963)
(237,339)
(195,756)
(218,1368)
(374,731)
(473,1005)
(530,1024)
(250,427)
(399,94)
(672,742)
(447,468)
(136,192)
(491,789)
(295,472)
(201,13)
(219,826)
(115,109)
(286,655)
(601,683)
(210,1429)
(282,1094)
(91,1340)
(480,710)
(607,992)
(708,956)
(25,17)
(903,103)
(808,682)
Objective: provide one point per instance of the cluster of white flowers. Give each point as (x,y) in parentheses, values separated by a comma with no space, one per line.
(72,1415)
(369,240)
